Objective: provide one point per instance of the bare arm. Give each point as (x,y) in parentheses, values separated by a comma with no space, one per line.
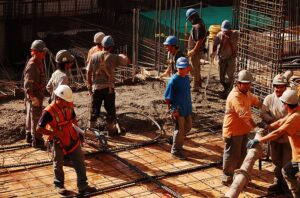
(272,136)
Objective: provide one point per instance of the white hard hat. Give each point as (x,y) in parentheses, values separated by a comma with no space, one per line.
(279,79)
(245,76)
(64,92)
(290,97)
(64,56)
(98,37)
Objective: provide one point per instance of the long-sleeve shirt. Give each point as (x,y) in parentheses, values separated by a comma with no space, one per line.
(57,78)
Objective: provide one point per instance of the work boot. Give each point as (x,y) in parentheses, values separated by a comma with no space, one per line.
(39,143)
(275,188)
(61,190)
(179,155)
(28,138)
(87,190)
(112,129)
(227,180)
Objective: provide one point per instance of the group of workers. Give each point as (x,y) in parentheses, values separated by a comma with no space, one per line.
(58,120)
(279,111)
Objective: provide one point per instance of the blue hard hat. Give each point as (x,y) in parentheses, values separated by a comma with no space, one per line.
(226,25)
(107,41)
(171,40)
(182,62)
(190,12)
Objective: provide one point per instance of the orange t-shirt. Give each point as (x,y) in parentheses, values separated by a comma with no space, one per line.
(292,127)
(237,120)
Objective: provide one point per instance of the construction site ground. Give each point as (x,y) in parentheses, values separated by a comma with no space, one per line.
(133,165)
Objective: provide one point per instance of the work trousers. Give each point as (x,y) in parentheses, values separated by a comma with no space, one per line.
(98,97)
(183,125)
(281,154)
(33,115)
(195,62)
(235,151)
(77,159)
(226,72)
(289,172)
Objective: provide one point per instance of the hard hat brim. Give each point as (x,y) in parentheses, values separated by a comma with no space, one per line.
(187,18)
(224,29)
(244,81)
(182,67)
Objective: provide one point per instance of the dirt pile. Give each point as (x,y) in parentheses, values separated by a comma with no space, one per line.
(145,97)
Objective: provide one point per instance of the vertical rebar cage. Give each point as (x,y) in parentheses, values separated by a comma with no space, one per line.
(260,47)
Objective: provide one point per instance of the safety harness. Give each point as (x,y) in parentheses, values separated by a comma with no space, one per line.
(62,121)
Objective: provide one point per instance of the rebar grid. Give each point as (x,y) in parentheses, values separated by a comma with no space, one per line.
(261,42)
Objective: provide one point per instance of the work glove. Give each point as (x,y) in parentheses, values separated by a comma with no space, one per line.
(191,53)
(251,144)
(35,102)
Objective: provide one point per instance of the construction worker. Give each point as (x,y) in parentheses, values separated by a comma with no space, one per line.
(171,45)
(64,61)
(178,98)
(288,125)
(196,46)
(272,110)
(57,123)
(34,87)
(226,43)
(99,83)
(97,47)
(237,124)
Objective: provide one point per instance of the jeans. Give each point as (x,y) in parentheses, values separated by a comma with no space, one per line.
(182,126)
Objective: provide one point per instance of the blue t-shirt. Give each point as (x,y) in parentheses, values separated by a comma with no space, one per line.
(178,92)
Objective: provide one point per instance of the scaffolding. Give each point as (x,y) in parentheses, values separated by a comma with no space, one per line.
(269,34)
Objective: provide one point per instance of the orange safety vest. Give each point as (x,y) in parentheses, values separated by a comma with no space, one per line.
(63,121)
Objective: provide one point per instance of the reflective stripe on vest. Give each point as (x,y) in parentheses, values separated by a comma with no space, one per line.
(62,121)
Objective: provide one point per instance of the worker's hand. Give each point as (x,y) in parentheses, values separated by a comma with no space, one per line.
(191,53)
(251,144)
(35,102)
(175,114)
(212,55)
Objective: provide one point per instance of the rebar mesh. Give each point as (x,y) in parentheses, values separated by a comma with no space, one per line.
(261,42)
(269,34)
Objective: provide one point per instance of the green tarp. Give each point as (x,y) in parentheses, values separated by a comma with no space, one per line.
(211,16)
